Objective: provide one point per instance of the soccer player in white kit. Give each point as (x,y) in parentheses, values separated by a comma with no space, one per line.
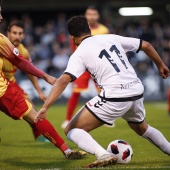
(104,56)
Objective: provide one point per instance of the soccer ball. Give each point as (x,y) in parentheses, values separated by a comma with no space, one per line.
(122,150)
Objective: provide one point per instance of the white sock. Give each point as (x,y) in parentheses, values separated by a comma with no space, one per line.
(87,143)
(156,137)
(67,151)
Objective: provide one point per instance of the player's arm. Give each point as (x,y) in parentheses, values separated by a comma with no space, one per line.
(135,45)
(34,81)
(11,54)
(55,93)
(28,67)
(152,54)
(74,69)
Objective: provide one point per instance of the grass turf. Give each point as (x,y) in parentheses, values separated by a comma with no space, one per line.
(19,151)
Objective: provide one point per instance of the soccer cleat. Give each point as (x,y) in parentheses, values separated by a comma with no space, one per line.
(64,124)
(83,153)
(103,162)
(41,139)
(75,154)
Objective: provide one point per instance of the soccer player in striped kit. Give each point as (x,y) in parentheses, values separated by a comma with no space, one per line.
(16,34)
(13,103)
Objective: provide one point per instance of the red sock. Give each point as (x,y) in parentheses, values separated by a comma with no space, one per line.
(48,131)
(169,100)
(35,131)
(71,105)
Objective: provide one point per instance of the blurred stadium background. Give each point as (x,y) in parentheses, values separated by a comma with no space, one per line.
(48,41)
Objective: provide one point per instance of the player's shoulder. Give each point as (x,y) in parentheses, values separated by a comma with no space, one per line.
(2,36)
(23,51)
(104,37)
(3,39)
(104,28)
(22,47)
(5,44)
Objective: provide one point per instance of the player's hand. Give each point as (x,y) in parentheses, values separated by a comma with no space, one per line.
(42,96)
(41,115)
(49,79)
(163,71)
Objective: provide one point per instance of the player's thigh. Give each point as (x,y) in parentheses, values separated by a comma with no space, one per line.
(107,111)
(13,104)
(136,117)
(136,114)
(83,120)
(29,99)
(22,92)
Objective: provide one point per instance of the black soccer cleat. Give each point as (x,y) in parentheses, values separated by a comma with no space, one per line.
(75,154)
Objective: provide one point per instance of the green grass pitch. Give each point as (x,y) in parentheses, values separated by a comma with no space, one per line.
(19,151)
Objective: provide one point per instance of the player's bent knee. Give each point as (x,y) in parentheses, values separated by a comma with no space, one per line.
(30,117)
(140,129)
(66,130)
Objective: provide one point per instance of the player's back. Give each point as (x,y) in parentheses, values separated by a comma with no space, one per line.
(104,56)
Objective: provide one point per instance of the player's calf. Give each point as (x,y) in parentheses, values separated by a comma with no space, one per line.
(156,138)
(48,131)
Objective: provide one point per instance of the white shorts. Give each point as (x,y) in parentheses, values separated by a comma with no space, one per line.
(108,112)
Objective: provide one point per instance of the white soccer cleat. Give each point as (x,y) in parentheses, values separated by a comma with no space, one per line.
(64,124)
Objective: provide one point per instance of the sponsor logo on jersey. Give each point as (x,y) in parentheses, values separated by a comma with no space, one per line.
(129,85)
(15,51)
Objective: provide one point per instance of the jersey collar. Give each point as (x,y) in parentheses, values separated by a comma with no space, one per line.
(86,38)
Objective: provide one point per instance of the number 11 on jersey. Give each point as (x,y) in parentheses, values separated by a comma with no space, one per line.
(105,53)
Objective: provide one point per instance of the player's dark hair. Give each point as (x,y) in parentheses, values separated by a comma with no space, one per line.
(16,23)
(78,26)
(93,8)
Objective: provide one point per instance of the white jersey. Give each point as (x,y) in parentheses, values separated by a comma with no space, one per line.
(104,56)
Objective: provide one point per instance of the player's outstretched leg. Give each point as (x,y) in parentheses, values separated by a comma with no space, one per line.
(48,131)
(37,135)
(71,106)
(77,131)
(152,135)
(169,101)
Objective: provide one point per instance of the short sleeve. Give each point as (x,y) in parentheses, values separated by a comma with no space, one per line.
(75,67)
(130,44)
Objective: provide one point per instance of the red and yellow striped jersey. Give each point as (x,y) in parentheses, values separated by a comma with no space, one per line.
(6,49)
(9,69)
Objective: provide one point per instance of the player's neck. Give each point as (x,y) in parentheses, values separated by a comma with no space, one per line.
(80,39)
(94,25)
